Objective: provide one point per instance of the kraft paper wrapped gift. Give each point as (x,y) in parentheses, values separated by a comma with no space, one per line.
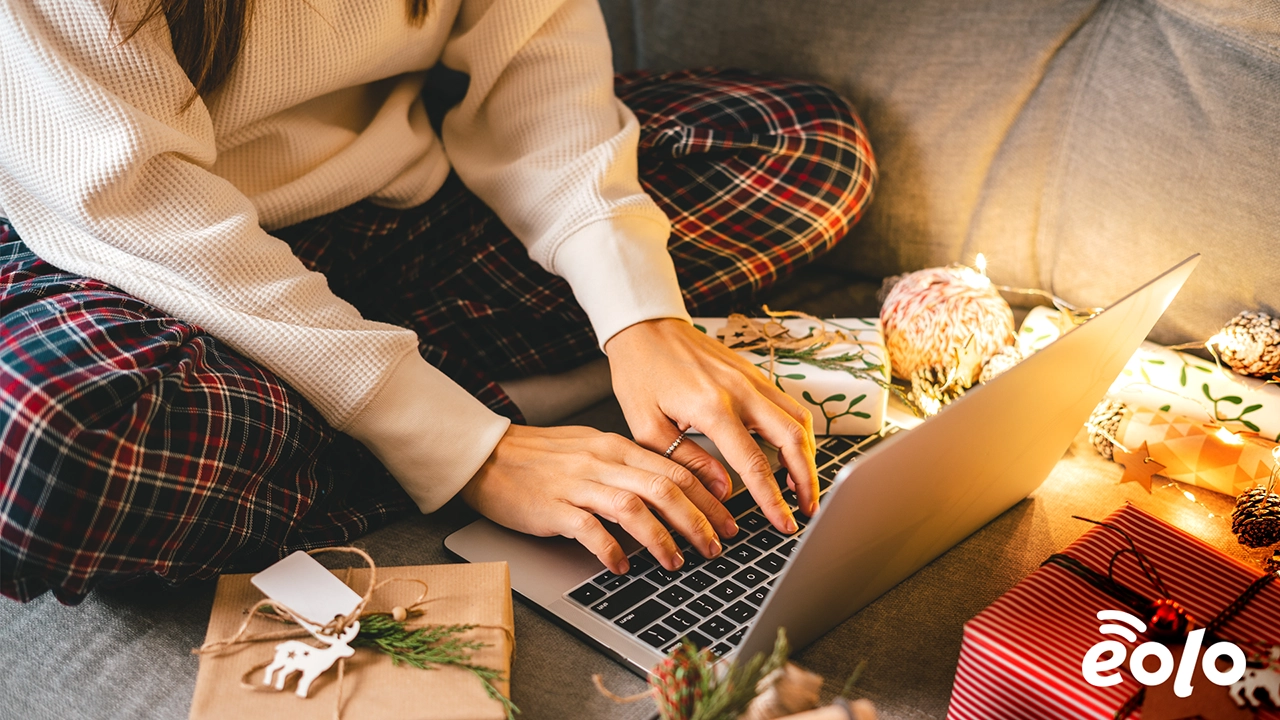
(842,403)
(1178,383)
(372,688)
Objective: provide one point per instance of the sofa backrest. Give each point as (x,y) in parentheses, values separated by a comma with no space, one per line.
(1083,145)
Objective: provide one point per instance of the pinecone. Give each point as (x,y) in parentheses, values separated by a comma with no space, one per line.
(1256,520)
(1250,344)
(1105,421)
(929,392)
(1273,563)
(1008,356)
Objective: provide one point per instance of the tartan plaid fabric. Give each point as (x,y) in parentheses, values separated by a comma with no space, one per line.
(133,444)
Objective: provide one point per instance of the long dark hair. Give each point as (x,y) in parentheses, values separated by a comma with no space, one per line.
(207,34)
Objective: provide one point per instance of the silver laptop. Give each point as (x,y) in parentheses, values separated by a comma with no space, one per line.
(886,510)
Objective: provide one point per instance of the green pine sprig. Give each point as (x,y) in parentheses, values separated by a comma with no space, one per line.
(844,362)
(690,688)
(429,647)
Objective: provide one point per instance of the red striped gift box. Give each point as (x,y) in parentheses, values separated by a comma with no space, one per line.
(1022,656)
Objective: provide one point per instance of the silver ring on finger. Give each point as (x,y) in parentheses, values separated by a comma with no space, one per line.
(675,444)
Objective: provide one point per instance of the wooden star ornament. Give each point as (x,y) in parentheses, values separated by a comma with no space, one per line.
(1138,465)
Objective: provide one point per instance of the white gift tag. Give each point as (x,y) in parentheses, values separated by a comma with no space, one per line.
(305,586)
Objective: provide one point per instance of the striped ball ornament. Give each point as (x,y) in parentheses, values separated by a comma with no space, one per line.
(941,325)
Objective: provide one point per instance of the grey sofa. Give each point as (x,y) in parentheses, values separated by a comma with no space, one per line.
(1083,145)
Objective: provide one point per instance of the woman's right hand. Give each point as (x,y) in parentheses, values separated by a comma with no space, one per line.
(554,481)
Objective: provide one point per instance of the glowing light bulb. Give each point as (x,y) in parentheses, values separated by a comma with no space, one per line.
(1229,437)
(980,262)
(1187,494)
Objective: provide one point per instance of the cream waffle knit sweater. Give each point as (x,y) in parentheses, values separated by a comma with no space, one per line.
(104,173)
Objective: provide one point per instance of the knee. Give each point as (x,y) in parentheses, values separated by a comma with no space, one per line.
(834,166)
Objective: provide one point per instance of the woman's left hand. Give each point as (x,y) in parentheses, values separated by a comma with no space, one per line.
(669,377)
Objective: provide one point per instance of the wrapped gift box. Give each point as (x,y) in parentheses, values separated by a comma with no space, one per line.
(1183,385)
(373,688)
(1023,655)
(842,403)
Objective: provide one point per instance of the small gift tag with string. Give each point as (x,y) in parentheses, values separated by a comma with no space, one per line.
(315,599)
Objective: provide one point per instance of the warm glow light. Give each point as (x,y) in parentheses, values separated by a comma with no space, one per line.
(1229,437)
(980,262)
(1187,494)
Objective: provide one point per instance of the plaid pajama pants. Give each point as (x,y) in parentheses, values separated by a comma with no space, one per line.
(134,444)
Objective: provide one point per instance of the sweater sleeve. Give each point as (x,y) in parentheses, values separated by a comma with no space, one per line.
(541,138)
(105,172)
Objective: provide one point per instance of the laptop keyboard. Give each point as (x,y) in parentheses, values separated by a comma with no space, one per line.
(710,602)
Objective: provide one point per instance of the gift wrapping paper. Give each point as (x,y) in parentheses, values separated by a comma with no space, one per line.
(1178,383)
(1021,657)
(1196,453)
(841,403)
(373,689)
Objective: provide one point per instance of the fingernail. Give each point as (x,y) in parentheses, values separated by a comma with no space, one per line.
(626,568)
(790,526)
(718,489)
(716,548)
(733,529)
(679,559)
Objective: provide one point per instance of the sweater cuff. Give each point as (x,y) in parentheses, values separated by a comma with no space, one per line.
(430,433)
(621,274)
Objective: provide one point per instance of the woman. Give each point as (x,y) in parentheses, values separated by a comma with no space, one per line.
(235,243)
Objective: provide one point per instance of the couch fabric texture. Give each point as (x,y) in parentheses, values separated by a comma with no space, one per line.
(1083,145)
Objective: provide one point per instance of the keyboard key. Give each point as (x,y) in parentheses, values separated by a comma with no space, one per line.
(769,539)
(824,483)
(692,559)
(680,620)
(749,577)
(771,564)
(721,649)
(837,445)
(736,638)
(728,591)
(675,595)
(740,612)
(742,554)
(617,582)
(640,562)
(721,567)
(780,477)
(698,639)
(604,577)
(740,503)
(657,636)
(587,594)
(662,576)
(822,457)
(612,606)
(756,597)
(790,497)
(716,627)
(704,605)
(633,621)
(785,548)
(752,522)
(698,581)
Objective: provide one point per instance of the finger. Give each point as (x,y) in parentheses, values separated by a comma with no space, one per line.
(629,510)
(749,460)
(794,445)
(691,487)
(658,435)
(578,524)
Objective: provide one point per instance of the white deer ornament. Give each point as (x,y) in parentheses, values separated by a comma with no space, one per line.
(1266,679)
(296,656)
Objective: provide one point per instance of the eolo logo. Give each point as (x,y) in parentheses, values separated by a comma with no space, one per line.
(1095,667)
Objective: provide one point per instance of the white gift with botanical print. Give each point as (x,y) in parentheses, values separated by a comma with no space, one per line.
(843,377)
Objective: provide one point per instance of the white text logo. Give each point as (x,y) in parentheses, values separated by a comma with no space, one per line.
(1098,670)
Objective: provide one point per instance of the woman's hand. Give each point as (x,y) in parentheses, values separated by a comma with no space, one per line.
(669,377)
(553,481)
